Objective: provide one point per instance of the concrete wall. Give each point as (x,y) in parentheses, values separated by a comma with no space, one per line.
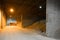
(2,20)
(53,18)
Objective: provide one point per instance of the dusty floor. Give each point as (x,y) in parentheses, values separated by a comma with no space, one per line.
(16,33)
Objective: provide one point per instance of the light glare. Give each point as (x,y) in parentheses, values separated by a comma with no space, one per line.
(11,10)
(40,7)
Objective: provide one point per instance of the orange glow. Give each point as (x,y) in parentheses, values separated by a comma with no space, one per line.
(11,10)
(0,18)
(12,29)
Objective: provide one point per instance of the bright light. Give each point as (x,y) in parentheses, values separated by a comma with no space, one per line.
(0,14)
(11,10)
(0,17)
(40,7)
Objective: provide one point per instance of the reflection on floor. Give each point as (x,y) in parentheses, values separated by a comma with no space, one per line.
(19,33)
